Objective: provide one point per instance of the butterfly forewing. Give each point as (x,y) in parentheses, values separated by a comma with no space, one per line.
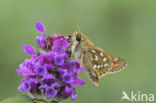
(118,64)
(104,63)
(101,61)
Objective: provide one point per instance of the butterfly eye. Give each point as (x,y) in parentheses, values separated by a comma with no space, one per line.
(78,37)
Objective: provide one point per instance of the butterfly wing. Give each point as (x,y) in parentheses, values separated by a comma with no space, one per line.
(118,64)
(104,63)
(91,73)
(100,61)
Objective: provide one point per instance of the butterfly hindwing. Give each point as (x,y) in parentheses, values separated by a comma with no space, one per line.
(92,74)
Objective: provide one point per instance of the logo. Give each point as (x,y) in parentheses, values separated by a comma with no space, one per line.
(137,96)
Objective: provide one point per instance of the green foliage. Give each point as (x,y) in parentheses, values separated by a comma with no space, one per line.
(21,99)
(17,99)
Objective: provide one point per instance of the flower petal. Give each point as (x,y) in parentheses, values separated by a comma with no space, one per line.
(40,70)
(50,92)
(23,87)
(67,78)
(59,60)
(60,46)
(49,66)
(28,85)
(77,81)
(47,80)
(40,27)
(74,95)
(41,41)
(56,85)
(25,72)
(67,91)
(29,50)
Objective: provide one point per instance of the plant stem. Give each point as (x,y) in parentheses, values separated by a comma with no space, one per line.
(54,102)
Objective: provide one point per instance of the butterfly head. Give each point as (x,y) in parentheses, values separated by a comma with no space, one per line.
(79,37)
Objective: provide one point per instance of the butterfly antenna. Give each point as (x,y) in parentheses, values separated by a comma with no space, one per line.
(78,27)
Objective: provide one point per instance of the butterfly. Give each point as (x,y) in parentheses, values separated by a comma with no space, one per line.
(95,60)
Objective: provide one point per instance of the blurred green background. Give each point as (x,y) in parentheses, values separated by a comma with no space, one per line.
(125,28)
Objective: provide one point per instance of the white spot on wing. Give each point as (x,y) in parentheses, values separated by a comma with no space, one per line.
(106,65)
(95,66)
(101,54)
(98,66)
(96,58)
(115,59)
(93,51)
(104,59)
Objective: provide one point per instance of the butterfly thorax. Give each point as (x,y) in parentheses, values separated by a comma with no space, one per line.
(80,48)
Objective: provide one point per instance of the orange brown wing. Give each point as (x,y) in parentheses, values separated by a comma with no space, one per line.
(104,63)
(118,64)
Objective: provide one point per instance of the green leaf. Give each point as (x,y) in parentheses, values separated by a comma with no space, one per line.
(21,99)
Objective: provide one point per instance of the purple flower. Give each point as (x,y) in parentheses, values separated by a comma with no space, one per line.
(41,70)
(74,95)
(26,68)
(65,76)
(49,66)
(77,81)
(28,84)
(24,87)
(72,66)
(56,85)
(67,91)
(29,50)
(25,72)
(60,46)
(70,77)
(40,39)
(50,92)
(59,59)
(45,58)
(47,81)
(40,27)
(50,72)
